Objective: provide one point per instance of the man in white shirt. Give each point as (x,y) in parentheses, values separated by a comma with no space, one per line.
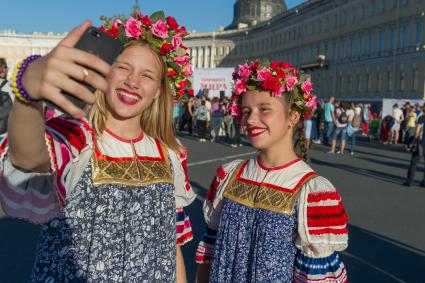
(398,119)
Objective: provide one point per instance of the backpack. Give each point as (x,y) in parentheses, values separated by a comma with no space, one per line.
(357,120)
(343,118)
(5,107)
(202,113)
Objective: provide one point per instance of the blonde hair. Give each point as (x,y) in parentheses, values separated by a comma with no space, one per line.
(156,120)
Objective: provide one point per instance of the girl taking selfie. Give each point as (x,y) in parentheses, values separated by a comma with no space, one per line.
(110,190)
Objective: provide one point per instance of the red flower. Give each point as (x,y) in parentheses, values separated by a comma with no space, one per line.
(254,65)
(274,65)
(146,21)
(181,31)
(235,76)
(172,23)
(183,84)
(165,48)
(270,83)
(171,72)
(190,92)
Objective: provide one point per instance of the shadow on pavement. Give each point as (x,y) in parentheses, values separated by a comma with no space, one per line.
(387,177)
(371,257)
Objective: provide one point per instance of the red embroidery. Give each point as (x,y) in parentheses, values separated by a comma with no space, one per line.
(322,216)
(320,196)
(221,175)
(328,231)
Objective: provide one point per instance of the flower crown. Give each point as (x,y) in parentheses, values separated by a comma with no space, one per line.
(278,78)
(165,35)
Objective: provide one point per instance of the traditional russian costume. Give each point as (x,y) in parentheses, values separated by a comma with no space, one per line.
(281,224)
(111,210)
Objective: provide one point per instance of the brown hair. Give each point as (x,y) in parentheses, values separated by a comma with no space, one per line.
(156,120)
(300,144)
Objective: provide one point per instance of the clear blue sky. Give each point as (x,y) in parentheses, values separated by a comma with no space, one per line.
(58,16)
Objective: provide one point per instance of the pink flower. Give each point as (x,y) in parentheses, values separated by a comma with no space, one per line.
(307,87)
(263,74)
(160,29)
(176,42)
(244,71)
(291,81)
(188,71)
(240,87)
(132,28)
(182,60)
(312,103)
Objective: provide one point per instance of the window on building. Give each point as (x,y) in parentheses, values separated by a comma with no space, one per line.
(349,83)
(361,44)
(342,49)
(370,42)
(378,81)
(405,2)
(362,10)
(340,83)
(372,8)
(390,81)
(353,14)
(351,46)
(393,38)
(418,32)
(395,4)
(402,81)
(381,40)
(383,6)
(404,35)
(367,83)
(415,79)
(358,81)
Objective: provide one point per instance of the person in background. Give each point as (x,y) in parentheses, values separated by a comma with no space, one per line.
(341,124)
(217,113)
(329,118)
(187,115)
(176,113)
(418,149)
(354,121)
(6,98)
(235,111)
(366,119)
(201,116)
(398,118)
(410,126)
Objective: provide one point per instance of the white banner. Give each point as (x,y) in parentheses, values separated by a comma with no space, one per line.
(388,103)
(215,80)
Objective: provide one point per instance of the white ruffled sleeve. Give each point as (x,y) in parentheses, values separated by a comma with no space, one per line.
(322,231)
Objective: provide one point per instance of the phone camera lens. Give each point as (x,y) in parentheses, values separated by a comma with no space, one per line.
(95,33)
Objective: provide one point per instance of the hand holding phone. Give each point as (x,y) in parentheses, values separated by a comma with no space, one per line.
(96,42)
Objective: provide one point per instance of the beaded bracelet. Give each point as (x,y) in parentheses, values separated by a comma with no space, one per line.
(17,86)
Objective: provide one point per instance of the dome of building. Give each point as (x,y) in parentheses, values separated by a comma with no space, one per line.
(247,12)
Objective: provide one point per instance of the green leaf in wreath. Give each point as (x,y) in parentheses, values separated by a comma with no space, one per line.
(158,15)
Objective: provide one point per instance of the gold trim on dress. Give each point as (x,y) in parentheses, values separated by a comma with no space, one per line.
(132,173)
(261,196)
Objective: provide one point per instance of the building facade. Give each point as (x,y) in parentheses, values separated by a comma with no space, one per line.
(15,46)
(353,49)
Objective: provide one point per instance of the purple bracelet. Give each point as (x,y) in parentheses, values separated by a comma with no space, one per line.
(21,71)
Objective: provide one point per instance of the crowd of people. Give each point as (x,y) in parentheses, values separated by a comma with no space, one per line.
(335,123)
(221,116)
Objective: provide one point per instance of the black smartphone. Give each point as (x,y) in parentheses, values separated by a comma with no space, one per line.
(100,44)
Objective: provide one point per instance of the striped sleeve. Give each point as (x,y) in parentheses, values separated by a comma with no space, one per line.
(183,227)
(212,211)
(39,197)
(322,232)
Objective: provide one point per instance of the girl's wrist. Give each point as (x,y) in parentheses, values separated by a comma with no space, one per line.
(17,87)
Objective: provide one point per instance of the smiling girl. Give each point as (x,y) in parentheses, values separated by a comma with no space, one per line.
(110,190)
(272,218)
